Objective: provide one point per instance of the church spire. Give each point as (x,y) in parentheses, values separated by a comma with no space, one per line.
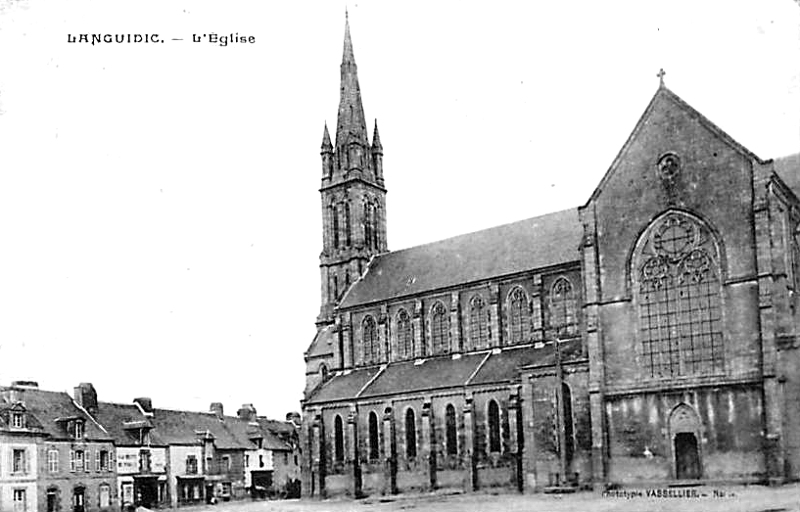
(351,125)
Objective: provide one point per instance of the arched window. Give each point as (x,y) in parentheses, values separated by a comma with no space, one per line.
(338,439)
(518,316)
(676,272)
(374,448)
(405,338)
(369,340)
(411,434)
(347,224)
(493,418)
(334,288)
(563,308)
(440,329)
(478,323)
(323,372)
(450,432)
(335,213)
(370,226)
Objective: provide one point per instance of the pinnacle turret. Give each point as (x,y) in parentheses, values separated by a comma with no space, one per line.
(327,147)
(376,139)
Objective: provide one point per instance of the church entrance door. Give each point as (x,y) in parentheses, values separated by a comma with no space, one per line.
(687,459)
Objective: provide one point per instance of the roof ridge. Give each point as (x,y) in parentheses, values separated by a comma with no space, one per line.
(472,233)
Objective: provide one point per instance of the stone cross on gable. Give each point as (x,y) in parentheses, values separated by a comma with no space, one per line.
(660,75)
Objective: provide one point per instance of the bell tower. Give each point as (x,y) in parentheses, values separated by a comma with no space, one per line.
(352,192)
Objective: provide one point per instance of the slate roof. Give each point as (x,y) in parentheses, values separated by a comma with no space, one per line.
(47,406)
(543,241)
(343,386)
(114,418)
(436,372)
(187,428)
(441,372)
(788,168)
(321,346)
(276,434)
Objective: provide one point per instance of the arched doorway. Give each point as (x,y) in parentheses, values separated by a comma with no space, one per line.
(685,436)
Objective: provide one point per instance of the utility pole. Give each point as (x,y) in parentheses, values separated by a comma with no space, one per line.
(560,421)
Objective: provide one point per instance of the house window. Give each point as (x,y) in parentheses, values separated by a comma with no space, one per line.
(411,434)
(105,496)
(246,460)
(52,460)
(17,420)
(226,463)
(76,460)
(450,433)
(369,340)
(87,461)
(285,459)
(191,465)
(19,462)
(78,430)
(20,500)
(405,339)
(338,439)
(493,417)
(563,308)
(440,329)
(261,461)
(677,290)
(144,461)
(104,461)
(478,323)
(374,448)
(518,316)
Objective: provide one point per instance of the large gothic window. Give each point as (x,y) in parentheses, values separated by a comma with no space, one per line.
(338,439)
(563,308)
(676,274)
(450,432)
(371,225)
(374,448)
(518,316)
(440,329)
(478,323)
(369,340)
(493,417)
(405,341)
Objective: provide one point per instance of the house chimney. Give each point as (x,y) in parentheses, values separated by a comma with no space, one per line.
(145,403)
(216,408)
(86,396)
(294,417)
(247,412)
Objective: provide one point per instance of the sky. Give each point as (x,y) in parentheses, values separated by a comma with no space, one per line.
(160,222)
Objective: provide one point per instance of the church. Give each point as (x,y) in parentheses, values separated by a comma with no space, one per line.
(647,337)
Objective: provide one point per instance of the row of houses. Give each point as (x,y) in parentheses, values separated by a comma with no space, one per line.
(63,452)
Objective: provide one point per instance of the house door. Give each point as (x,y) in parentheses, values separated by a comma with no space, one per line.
(77,500)
(52,500)
(687,459)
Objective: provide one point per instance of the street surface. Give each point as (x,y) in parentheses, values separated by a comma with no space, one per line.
(722,499)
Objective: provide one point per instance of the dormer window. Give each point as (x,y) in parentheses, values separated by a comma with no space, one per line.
(78,430)
(18,420)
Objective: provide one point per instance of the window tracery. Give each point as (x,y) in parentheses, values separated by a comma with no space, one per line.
(518,316)
(678,294)
(478,324)
(563,308)
(440,329)
(405,339)
(369,340)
